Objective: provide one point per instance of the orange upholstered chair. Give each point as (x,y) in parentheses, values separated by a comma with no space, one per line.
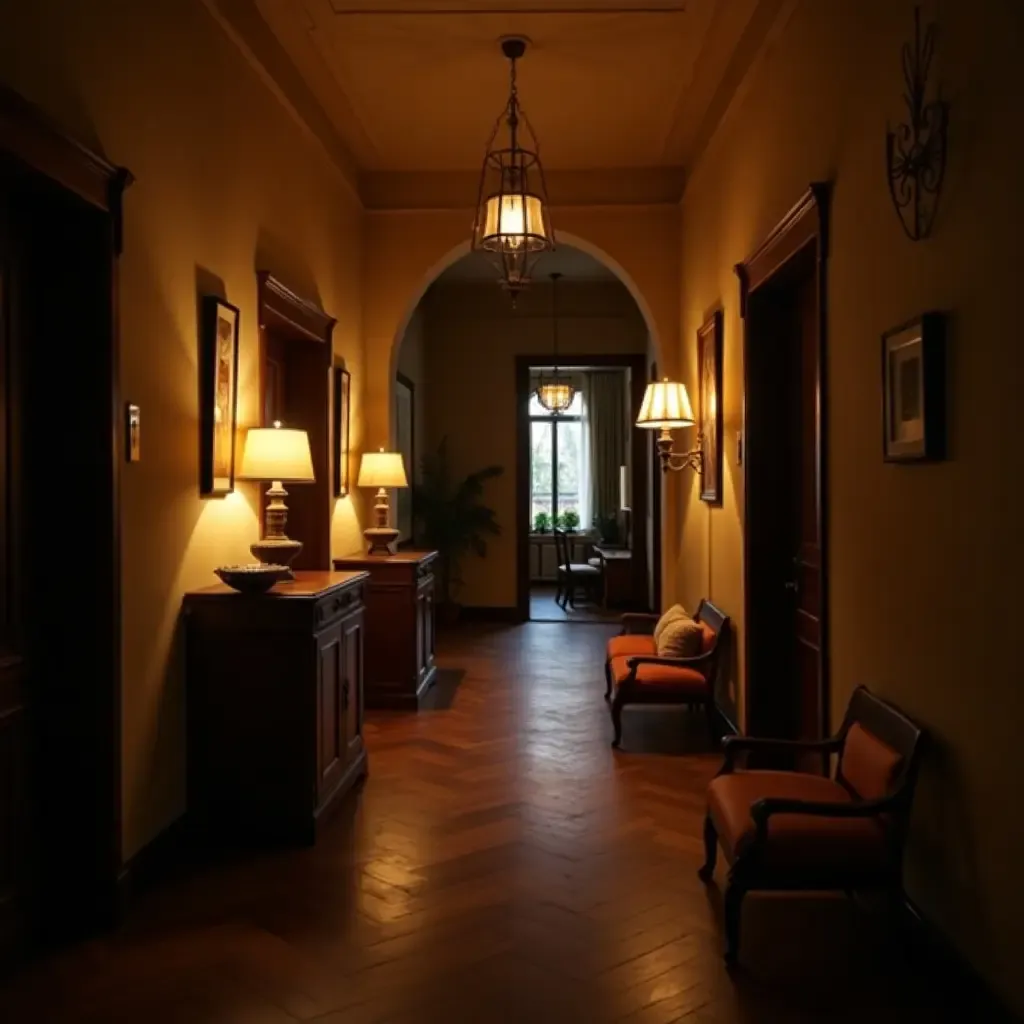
(795,830)
(635,674)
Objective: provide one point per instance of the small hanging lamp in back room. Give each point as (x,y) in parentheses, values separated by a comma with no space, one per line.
(513,221)
(556,393)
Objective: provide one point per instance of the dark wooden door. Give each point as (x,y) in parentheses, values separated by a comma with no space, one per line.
(783,543)
(804,585)
(14,740)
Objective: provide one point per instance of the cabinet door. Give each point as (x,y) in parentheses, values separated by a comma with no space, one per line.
(352,686)
(425,618)
(331,699)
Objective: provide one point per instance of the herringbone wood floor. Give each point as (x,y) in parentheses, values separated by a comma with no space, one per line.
(502,863)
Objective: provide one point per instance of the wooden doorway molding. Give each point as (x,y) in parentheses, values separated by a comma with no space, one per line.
(639,458)
(296,354)
(60,675)
(802,235)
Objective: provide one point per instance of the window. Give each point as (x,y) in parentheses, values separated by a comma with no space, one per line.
(559,480)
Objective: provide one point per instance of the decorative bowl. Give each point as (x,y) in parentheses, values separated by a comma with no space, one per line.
(254,578)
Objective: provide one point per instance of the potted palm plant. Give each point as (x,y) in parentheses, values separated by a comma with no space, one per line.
(454,521)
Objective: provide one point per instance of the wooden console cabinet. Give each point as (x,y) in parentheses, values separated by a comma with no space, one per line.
(275,704)
(400,627)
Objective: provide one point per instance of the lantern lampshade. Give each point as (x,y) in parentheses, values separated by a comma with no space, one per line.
(556,396)
(513,222)
(666,405)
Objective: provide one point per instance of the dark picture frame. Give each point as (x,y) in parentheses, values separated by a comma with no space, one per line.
(342,432)
(709,363)
(405,443)
(914,390)
(218,396)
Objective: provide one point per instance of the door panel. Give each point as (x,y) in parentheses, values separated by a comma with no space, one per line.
(351,706)
(330,744)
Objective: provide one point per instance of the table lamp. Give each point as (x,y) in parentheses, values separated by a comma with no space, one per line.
(381,469)
(280,455)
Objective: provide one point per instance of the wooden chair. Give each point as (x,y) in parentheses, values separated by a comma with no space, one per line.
(637,675)
(791,830)
(573,574)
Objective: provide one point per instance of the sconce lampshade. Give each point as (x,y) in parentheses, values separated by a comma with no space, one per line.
(382,469)
(277,453)
(666,405)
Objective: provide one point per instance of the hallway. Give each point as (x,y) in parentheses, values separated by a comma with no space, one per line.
(502,864)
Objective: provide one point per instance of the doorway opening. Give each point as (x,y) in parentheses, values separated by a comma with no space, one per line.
(582,493)
(786,631)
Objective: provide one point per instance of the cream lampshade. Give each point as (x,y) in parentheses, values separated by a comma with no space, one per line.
(381,469)
(281,455)
(666,405)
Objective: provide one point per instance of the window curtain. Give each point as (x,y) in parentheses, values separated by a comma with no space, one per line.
(586,487)
(606,441)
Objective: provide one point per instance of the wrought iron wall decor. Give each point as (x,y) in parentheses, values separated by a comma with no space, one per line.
(916,150)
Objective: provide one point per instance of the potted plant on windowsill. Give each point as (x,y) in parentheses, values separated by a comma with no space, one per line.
(542,523)
(454,522)
(571,520)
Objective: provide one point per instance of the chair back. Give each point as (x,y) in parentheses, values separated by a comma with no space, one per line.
(881,750)
(561,548)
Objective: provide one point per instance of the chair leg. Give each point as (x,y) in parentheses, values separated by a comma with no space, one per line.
(707,870)
(617,719)
(607,680)
(733,906)
(712,721)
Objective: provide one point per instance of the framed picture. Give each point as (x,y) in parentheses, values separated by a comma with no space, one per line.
(709,359)
(405,409)
(914,390)
(218,396)
(342,429)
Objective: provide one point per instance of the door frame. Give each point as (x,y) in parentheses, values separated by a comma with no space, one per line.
(805,225)
(656,473)
(637,366)
(45,151)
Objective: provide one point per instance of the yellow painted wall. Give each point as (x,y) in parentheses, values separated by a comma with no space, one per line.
(471,339)
(226,182)
(926,561)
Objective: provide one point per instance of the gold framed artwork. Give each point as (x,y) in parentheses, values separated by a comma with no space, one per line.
(218,396)
(914,390)
(342,430)
(709,361)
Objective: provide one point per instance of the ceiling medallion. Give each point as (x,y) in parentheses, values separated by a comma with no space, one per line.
(513,223)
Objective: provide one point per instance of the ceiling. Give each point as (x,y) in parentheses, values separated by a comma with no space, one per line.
(416,85)
(572,264)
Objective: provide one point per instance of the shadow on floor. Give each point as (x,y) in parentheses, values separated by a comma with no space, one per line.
(544,609)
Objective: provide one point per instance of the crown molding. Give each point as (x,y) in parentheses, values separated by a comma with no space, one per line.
(456,190)
(243,24)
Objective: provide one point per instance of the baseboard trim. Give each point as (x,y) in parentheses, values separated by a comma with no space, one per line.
(937,947)
(490,613)
(154,863)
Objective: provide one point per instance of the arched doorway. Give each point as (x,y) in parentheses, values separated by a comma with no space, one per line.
(456,390)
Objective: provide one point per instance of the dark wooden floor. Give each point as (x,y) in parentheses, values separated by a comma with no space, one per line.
(544,609)
(501,864)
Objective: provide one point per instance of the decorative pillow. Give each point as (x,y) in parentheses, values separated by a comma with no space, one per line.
(869,766)
(677,611)
(681,638)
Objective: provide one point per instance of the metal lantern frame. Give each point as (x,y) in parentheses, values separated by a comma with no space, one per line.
(555,394)
(513,221)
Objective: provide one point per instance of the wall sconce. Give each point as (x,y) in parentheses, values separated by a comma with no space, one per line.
(666,407)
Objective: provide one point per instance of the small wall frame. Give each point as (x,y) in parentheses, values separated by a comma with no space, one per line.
(218,396)
(341,434)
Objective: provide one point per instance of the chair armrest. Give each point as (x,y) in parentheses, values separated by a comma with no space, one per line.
(635,660)
(732,746)
(761,810)
(641,623)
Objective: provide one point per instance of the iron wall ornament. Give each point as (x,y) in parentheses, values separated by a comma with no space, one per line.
(916,150)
